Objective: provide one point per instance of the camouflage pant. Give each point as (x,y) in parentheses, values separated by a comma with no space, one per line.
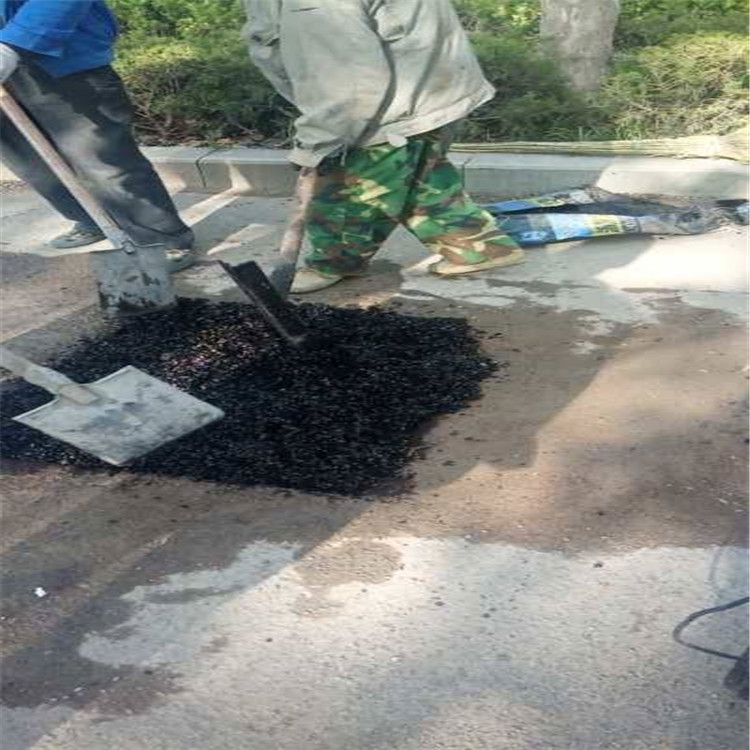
(360,201)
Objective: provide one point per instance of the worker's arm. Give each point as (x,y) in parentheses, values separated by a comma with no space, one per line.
(44,26)
(338,73)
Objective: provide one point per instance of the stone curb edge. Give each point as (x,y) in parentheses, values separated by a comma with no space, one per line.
(267,173)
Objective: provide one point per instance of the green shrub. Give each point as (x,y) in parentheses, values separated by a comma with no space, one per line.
(533,101)
(641,23)
(206,89)
(189,74)
(500,16)
(689,85)
(650,22)
(202,90)
(177,18)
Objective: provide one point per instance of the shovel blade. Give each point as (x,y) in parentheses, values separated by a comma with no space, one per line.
(132,280)
(280,313)
(135,414)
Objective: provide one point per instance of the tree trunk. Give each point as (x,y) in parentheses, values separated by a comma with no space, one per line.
(579,34)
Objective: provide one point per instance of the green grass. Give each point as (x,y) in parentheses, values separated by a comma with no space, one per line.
(689,85)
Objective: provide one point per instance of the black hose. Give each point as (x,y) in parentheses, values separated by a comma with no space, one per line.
(677,632)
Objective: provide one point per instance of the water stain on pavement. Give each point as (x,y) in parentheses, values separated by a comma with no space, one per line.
(335,564)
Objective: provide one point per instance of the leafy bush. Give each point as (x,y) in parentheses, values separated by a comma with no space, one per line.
(203,90)
(533,101)
(177,19)
(189,74)
(206,90)
(500,16)
(689,85)
(650,22)
(641,23)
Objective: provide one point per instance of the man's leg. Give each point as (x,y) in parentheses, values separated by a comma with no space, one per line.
(17,154)
(355,209)
(88,117)
(449,222)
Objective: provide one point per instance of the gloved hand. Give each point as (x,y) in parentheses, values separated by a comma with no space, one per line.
(8,62)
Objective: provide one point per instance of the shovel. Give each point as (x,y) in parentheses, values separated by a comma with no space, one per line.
(131,279)
(269,293)
(282,274)
(117,418)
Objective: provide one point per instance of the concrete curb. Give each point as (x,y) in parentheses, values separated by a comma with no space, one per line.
(267,173)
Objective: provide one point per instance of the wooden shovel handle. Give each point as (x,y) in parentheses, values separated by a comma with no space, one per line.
(291,242)
(50,380)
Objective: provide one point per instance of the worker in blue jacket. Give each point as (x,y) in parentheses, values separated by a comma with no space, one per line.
(55,60)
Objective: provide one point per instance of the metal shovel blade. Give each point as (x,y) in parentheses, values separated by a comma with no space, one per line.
(275,309)
(134,415)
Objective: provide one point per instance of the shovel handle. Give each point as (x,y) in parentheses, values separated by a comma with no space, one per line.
(52,381)
(40,143)
(291,243)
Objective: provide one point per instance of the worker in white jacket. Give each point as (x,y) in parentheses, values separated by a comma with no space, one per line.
(378,84)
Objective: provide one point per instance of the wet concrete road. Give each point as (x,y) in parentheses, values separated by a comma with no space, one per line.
(519,592)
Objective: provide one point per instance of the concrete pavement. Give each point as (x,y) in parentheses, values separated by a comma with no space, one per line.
(519,591)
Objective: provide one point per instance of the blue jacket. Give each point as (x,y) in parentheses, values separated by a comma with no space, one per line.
(63,36)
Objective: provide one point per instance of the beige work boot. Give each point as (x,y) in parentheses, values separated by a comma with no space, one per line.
(308,280)
(446,268)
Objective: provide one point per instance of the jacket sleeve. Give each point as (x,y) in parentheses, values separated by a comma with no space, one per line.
(338,73)
(45,26)
(262,34)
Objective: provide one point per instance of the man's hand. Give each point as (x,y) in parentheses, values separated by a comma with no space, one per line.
(8,62)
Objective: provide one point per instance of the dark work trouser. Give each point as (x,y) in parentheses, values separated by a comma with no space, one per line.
(88,117)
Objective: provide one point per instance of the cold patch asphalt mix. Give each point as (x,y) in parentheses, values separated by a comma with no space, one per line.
(340,415)
(520,593)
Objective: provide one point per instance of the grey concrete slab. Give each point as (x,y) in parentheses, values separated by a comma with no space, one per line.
(178,166)
(508,175)
(437,644)
(267,172)
(261,172)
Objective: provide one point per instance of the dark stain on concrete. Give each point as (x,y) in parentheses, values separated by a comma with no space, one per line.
(185,596)
(367,561)
(542,288)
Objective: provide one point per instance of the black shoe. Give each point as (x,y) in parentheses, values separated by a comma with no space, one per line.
(79,236)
